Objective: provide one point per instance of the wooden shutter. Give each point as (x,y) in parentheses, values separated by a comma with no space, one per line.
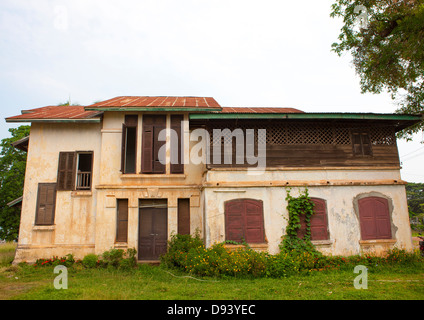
(123,147)
(244,220)
(122,221)
(147,149)
(46,202)
(152,125)
(361,143)
(176,123)
(319,224)
(374,217)
(184,216)
(160,125)
(66,171)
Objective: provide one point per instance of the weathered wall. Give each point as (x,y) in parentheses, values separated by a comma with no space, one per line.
(74,226)
(330,185)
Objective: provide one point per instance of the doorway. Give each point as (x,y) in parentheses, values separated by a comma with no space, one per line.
(153,228)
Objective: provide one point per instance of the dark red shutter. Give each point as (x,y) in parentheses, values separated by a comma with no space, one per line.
(66,171)
(319,224)
(254,226)
(374,218)
(46,203)
(244,220)
(152,126)
(177,146)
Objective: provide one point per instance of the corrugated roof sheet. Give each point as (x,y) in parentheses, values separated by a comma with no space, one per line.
(55,112)
(164,102)
(259,110)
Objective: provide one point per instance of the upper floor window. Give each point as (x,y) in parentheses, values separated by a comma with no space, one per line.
(75,170)
(361,143)
(129,144)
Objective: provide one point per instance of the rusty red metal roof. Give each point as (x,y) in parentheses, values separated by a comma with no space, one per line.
(156,102)
(55,113)
(259,110)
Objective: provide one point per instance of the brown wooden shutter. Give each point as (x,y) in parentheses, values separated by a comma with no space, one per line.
(374,217)
(123,146)
(244,220)
(46,203)
(66,171)
(176,123)
(158,167)
(319,225)
(147,149)
(184,216)
(122,220)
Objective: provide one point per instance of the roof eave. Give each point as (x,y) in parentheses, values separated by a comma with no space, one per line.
(90,120)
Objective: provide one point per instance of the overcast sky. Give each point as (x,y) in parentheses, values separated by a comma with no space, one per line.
(242,53)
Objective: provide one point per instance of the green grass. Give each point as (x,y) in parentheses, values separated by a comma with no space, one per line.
(385,282)
(150,282)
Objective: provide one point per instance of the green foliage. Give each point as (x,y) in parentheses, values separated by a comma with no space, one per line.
(90,260)
(113,258)
(297,206)
(188,254)
(12,175)
(388,53)
(415,197)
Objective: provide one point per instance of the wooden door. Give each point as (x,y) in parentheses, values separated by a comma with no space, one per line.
(153,231)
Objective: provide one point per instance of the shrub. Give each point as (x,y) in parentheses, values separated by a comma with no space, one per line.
(90,260)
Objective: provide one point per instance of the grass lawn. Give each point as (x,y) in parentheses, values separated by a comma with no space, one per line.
(157,283)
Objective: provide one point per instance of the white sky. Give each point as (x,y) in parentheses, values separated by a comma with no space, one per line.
(242,53)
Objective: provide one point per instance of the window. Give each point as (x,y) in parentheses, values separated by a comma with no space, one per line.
(244,221)
(75,171)
(374,218)
(46,202)
(122,220)
(129,144)
(151,144)
(184,216)
(361,143)
(319,225)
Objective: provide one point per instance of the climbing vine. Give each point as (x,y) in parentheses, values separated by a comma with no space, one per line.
(297,206)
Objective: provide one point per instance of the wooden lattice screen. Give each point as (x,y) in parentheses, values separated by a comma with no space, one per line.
(308,133)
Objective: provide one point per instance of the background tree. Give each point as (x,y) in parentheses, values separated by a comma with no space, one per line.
(12,174)
(386,41)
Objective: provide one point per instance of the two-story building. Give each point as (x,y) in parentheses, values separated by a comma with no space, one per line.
(131,171)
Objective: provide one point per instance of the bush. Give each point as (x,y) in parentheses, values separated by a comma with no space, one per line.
(188,254)
(90,261)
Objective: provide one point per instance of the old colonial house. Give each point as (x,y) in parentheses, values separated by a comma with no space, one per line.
(131,171)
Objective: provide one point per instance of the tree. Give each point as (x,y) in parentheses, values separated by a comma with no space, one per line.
(12,174)
(415,196)
(386,41)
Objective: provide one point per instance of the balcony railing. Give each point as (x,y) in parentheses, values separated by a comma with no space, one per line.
(83,180)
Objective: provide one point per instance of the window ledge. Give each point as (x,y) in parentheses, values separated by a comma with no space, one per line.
(377,241)
(43,228)
(81,193)
(254,246)
(321,243)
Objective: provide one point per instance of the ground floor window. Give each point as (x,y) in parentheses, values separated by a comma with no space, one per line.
(319,222)
(244,221)
(374,218)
